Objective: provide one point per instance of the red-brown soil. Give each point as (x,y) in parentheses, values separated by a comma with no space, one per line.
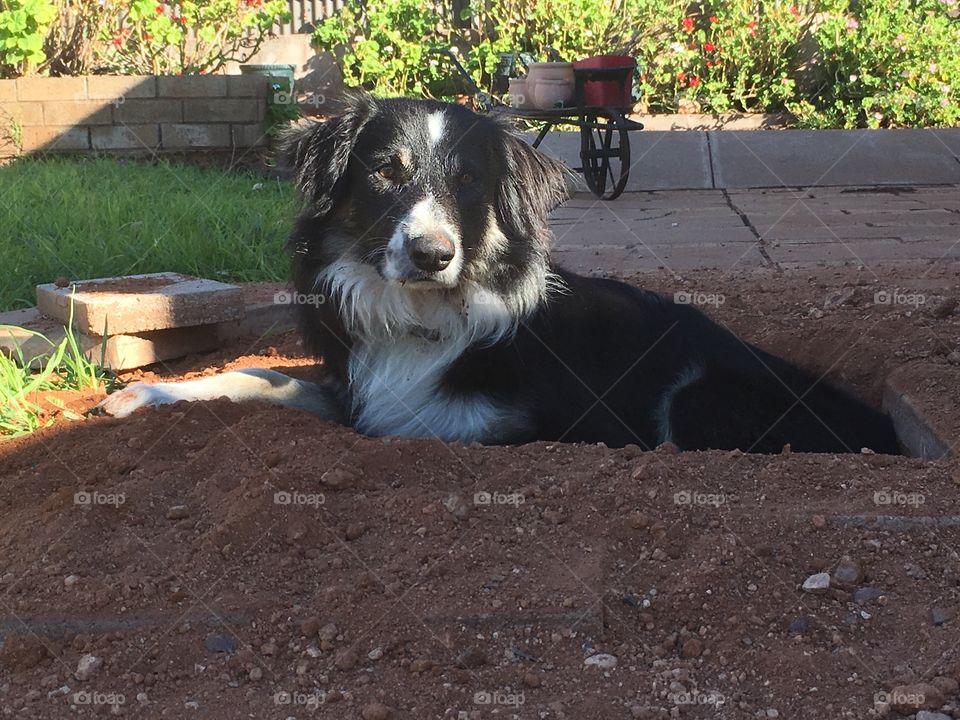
(352,573)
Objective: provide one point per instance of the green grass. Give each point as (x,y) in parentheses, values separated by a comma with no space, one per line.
(63,367)
(83,218)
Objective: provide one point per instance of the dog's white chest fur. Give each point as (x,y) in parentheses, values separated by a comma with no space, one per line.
(395,386)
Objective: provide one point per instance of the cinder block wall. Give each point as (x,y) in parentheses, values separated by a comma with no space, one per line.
(131,114)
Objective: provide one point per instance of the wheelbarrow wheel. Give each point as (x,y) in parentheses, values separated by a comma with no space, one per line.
(605,153)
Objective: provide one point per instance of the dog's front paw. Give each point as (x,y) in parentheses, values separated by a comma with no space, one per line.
(123,402)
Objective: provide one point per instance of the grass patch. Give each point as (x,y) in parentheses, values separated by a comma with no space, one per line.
(83,218)
(22,379)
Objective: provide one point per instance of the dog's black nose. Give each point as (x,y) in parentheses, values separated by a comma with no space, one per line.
(430,253)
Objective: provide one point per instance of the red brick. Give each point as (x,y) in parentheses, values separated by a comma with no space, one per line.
(22,113)
(53,139)
(220,110)
(156,110)
(80,112)
(181,136)
(121,87)
(52,88)
(125,137)
(192,86)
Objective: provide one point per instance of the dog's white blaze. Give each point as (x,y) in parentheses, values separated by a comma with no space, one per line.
(426,217)
(687,378)
(435,126)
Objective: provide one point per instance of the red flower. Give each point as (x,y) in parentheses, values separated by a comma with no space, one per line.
(681,77)
(694,81)
(159,9)
(713,18)
(752,24)
(688,24)
(118,41)
(708,47)
(709,63)
(794,11)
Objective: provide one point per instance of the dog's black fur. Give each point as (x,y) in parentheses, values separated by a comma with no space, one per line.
(578,359)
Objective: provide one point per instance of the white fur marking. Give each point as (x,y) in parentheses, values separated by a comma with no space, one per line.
(251,384)
(435,126)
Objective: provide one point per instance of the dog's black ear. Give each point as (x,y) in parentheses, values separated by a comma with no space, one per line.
(320,151)
(533,185)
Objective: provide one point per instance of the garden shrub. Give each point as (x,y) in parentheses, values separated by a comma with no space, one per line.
(23,27)
(888,63)
(154,36)
(830,63)
(141,37)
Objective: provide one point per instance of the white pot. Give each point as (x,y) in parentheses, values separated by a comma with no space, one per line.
(520,94)
(551,93)
(550,71)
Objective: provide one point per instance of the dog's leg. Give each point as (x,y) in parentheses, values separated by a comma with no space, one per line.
(250,384)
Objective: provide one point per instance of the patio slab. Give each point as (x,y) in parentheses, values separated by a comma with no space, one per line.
(800,158)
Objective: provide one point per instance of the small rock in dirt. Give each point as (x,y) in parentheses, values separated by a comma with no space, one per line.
(71,580)
(668,448)
(800,625)
(420,666)
(328,632)
(866,594)
(375,654)
(945,308)
(457,506)
(310,626)
(953,357)
(296,531)
(347,660)
(376,711)
(256,674)
(355,530)
(554,517)
(692,648)
(820,582)
(471,657)
(838,297)
(604,661)
(178,512)
(87,667)
(819,521)
(220,643)
(906,699)
(532,680)
(927,715)
(947,685)
(848,571)
(339,479)
(940,616)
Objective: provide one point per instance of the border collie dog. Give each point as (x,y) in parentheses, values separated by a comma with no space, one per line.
(438,312)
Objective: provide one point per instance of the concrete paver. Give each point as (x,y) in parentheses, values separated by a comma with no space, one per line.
(681,230)
(780,158)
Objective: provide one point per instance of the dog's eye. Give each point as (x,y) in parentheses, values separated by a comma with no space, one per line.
(466,178)
(387,171)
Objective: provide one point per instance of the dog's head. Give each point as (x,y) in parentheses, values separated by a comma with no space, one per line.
(427,194)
